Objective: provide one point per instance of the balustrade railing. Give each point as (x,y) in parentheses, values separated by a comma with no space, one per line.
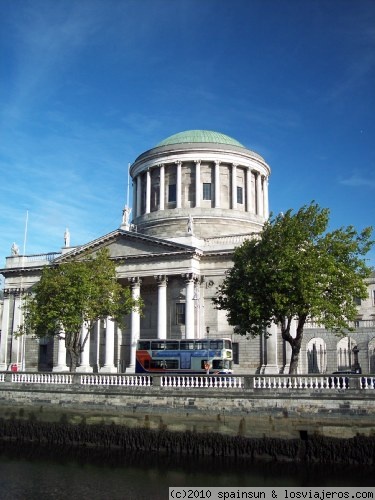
(42,378)
(117,380)
(187,381)
(360,323)
(328,382)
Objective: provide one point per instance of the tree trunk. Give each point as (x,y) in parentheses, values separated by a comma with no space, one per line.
(294,361)
(295,342)
(74,358)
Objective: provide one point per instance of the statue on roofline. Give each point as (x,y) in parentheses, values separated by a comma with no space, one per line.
(15,250)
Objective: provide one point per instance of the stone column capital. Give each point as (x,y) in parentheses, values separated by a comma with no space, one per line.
(189,277)
(135,281)
(161,279)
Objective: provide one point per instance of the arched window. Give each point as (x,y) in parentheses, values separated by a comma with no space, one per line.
(345,356)
(371,356)
(316,356)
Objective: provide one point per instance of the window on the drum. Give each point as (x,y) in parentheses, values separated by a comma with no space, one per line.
(180,313)
(239,194)
(172,193)
(207,191)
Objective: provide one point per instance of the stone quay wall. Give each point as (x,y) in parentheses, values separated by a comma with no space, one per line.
(246,408)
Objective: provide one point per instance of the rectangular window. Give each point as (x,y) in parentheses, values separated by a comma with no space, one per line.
(239,194)
(207,191)
(373,297)
(236,353)
(172,193)
(357,301)
(180,313)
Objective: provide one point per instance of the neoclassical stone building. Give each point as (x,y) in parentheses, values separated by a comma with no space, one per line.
(196,196)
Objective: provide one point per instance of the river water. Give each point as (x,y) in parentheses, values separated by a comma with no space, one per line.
(35,473)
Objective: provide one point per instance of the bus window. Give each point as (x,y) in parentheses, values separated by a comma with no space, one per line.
(186,345)
(216,344)
(201,344)
(157,345)
(164,364)
(219,364)
(227,344)
(143,345)
(172,345)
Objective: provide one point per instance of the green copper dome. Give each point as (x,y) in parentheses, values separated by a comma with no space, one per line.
(191,136)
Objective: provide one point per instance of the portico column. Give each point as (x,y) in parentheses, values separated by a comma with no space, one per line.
(162,306)
(139,195)
(85,354)
(259,194)
(61,354)
(161,186)
(248,189)
(135,320)
(189,306)
(197,183)
(109,366)
(178,184)
(217,184)
(234,186)
(4,333)
(148,191)
(266,212)
(17,342)
(271,365)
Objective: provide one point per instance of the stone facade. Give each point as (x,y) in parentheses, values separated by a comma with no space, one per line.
(196,196)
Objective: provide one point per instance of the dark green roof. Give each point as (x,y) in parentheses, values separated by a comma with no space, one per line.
(191,136)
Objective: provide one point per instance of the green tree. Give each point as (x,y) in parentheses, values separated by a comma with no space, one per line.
(296,270)
(71,294)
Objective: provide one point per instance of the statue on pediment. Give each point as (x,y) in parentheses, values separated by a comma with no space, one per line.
(15,250)
(190,225)
(67,238)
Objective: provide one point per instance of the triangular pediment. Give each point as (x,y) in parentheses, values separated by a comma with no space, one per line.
(128,244)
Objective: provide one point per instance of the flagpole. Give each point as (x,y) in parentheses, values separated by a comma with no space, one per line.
(127,194)
(23,345)
(24,238)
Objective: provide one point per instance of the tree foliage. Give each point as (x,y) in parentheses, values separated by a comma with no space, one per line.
(73,294)
(296,270)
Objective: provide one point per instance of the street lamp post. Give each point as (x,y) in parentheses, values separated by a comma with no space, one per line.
(356,365)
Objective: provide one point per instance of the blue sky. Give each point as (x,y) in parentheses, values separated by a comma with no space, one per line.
(86,86)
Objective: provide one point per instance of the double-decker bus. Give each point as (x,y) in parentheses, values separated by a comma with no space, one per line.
(184,356)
